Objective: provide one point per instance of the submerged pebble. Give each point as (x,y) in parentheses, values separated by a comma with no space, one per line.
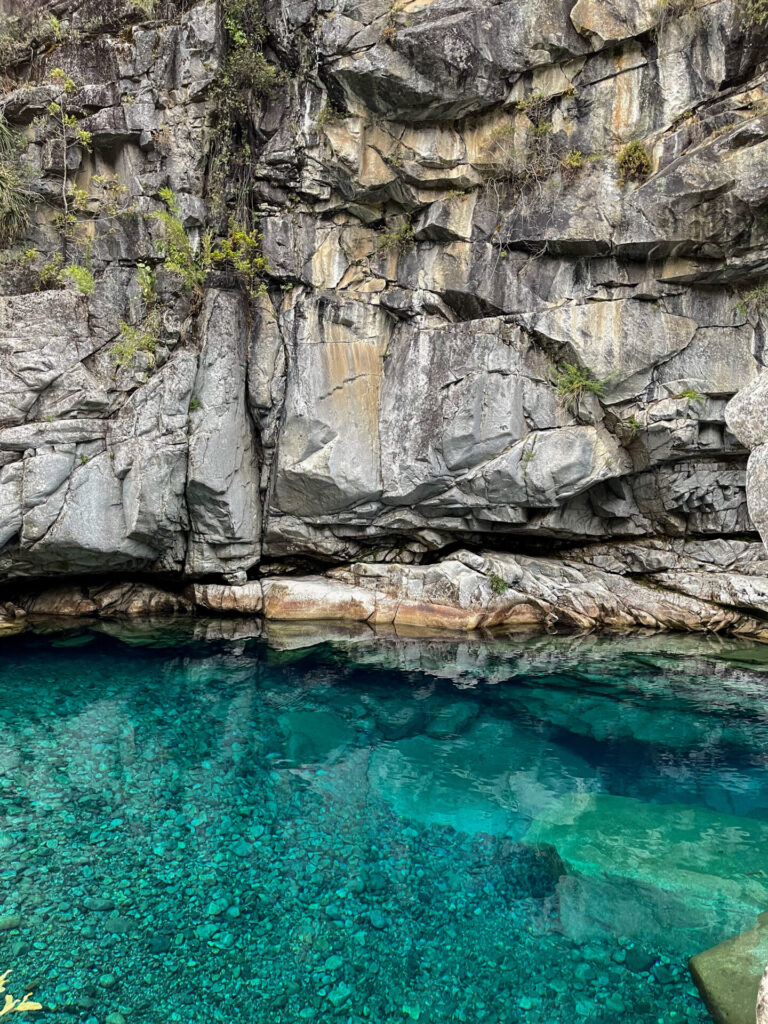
(219,833)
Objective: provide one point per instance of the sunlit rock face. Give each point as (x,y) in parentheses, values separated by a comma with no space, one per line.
(485,325)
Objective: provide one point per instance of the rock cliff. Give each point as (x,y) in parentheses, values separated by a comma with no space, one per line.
(432,302)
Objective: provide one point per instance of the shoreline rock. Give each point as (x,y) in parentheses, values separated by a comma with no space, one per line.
(467,591)
(729,976)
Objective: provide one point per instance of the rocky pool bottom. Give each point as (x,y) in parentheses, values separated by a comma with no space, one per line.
(375,829)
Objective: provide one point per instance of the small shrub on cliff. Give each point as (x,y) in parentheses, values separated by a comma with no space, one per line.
(146,8)
(754,301)
(16,196)
(633,425)
(329,115)
(81,277)
(691,395)
(145,336)
(21,259)
(388,33)
(26,30)
(754,13)
(55,273)
(241,250)
(535,107)
(498,584)
(573,382)
(49,275)
(176,245)
(63,126)
(525,167)
(634,163)
(145,276)
(503,149)
(572,163)
(244,79)
(137,339)
(400,240)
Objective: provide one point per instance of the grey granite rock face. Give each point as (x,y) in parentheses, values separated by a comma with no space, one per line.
(476,332)
(223,469)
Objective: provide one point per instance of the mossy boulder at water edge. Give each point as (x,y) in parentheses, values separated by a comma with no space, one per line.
(728,976)
(651,870)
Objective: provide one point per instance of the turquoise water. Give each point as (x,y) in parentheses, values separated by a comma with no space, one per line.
(375,830)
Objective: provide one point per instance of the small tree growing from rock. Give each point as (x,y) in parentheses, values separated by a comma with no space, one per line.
(67,134)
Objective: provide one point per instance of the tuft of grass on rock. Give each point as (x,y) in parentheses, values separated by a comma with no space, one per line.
(573,382)
(498,584)
(634,163)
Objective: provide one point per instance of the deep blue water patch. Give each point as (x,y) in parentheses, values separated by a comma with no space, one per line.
(532,831)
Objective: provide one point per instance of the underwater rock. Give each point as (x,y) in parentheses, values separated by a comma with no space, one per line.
(637,869)
(513,778)
(448,719)
(638,959)
(312,736)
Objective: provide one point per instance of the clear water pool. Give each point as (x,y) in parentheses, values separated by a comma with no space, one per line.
(532,831)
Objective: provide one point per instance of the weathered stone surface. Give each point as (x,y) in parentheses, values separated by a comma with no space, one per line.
(246,599)
(453,398)
(613,21)
(223,473)
(469,591)
(315,598)
(447,61)
(149,445)
(328,457)
(757,489)
(120,599)
(746,414)
(728,976)
(622,341)
(473,333)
